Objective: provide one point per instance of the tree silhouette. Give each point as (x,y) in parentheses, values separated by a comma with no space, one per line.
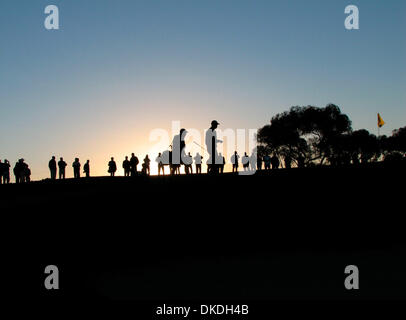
(304,132)
(357,146)
(399,140)
(394,147)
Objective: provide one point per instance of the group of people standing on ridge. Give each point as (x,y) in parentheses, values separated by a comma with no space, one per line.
(129,166)
(5,172)
(215,162)
(177,155)
(255,162)
(61,165)
(21,172)
(174,158)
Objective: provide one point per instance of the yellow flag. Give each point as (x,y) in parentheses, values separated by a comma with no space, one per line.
(380,121)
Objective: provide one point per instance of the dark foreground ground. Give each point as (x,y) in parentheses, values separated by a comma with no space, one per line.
(284,235)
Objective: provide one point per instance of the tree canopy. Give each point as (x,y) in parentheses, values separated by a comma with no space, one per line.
(313,135)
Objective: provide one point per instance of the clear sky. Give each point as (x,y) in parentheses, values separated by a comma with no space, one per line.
(115,70)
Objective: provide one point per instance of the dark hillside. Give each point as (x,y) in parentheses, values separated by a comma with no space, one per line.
(220,225)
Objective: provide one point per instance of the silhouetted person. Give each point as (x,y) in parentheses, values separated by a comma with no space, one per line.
(275,162)
(223,163)
(300,162)
(76,168)
(234,161)
(2,169)
(355,159)
(26,172)
(21,172)
(133,162)
(259,162)
(253,160)
(61,165)
(16,171)
(211,145)
(86,169)
(127,167)
(52,167)
(112,167)
(188,164)
(288,162)
(178,154)
(347,159)
(160,164)
(178,148)
(198,163)
(267,162)
(145,165)
(6,171)
(245,161)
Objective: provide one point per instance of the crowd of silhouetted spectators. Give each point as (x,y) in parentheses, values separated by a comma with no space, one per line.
(251,162)
(21,170)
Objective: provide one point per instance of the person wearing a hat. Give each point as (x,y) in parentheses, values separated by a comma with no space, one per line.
(211,145)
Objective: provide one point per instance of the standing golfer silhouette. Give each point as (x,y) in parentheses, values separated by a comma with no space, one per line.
(211,145)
